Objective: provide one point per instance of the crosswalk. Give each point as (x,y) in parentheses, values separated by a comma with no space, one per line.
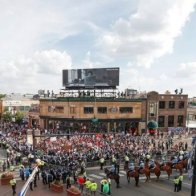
(100,175)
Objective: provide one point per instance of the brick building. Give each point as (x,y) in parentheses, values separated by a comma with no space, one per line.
(87,113)
(169,110)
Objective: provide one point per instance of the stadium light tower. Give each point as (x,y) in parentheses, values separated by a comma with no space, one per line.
(194,169)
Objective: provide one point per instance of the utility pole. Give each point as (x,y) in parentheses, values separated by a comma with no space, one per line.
(194,169)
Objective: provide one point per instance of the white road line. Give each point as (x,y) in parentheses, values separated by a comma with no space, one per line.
(121,175)
(102,174)
(95,176)
(123,172)
(186,183)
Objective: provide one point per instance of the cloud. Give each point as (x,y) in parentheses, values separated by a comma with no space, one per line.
(187,70)
(149,33)
(42,70)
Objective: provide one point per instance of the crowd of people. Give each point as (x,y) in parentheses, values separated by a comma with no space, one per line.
(67,156)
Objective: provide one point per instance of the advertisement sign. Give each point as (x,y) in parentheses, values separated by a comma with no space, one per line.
(90,78)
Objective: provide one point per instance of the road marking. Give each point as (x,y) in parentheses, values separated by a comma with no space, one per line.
(121,175)
(186,183)
(102,174)
(124,172)
(96,176)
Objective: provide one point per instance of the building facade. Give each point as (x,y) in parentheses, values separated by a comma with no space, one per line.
(191,115)
(169,110)
(87,113)
(17,102)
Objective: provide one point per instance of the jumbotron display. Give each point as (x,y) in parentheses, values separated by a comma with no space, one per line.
(91,78)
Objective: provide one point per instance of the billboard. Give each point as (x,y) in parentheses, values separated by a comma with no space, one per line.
(91,78)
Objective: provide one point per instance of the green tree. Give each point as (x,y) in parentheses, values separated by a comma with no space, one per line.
(18,117)
(7,116)
(2,96)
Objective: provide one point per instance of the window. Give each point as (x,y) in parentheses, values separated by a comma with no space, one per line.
(181,104)
(59,109)
(170,121)
(152,109)
(180,120)
(51,108)
(88,110)
(161,104)
(72,110)
(102,110)
(161,121)
(126,110)
(171,104)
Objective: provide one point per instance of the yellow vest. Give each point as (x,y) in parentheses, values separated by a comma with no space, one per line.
(12,182)
(126,158)
(181,178)
(93,186)
(176,181)
(102,160)
(88,184)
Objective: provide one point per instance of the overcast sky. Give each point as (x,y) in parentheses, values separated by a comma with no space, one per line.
(152,41)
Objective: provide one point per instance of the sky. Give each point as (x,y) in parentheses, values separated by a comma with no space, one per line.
(152,41)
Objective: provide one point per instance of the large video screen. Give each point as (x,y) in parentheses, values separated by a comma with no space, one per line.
(91,78)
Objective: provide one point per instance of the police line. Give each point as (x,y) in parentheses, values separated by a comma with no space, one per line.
(26,185)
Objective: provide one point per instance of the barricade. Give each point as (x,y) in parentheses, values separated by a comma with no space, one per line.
(26,185)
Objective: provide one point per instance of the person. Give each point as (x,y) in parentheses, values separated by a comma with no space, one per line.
(49,179)
(13,184)
(31,184)
(87,185)
(90,78)
(180,178)
(81,181)
(151,164)
(109,183)
(126,162)
(148,157)
(112,169)
(180,157)
(68,182)
(105,188)
(102,183)
(131,166)
(113,160)
(175,160)
(93,188)
(176,184)
(141,165)
(101,163)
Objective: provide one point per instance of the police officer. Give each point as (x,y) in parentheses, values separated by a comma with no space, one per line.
(148,157)
(126,161)
(131,166)
(180,178)
(176,184)
(13,184)
(101,163)
(93,188)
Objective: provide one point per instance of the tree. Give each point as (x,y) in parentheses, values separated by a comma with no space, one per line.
(19,117)
(7,116)
(2,96)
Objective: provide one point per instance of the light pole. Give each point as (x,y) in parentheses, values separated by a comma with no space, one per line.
(194,169)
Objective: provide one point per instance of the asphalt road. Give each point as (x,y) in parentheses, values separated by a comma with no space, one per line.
(162,187)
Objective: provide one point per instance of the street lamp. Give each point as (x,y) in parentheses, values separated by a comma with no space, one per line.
(194,169)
